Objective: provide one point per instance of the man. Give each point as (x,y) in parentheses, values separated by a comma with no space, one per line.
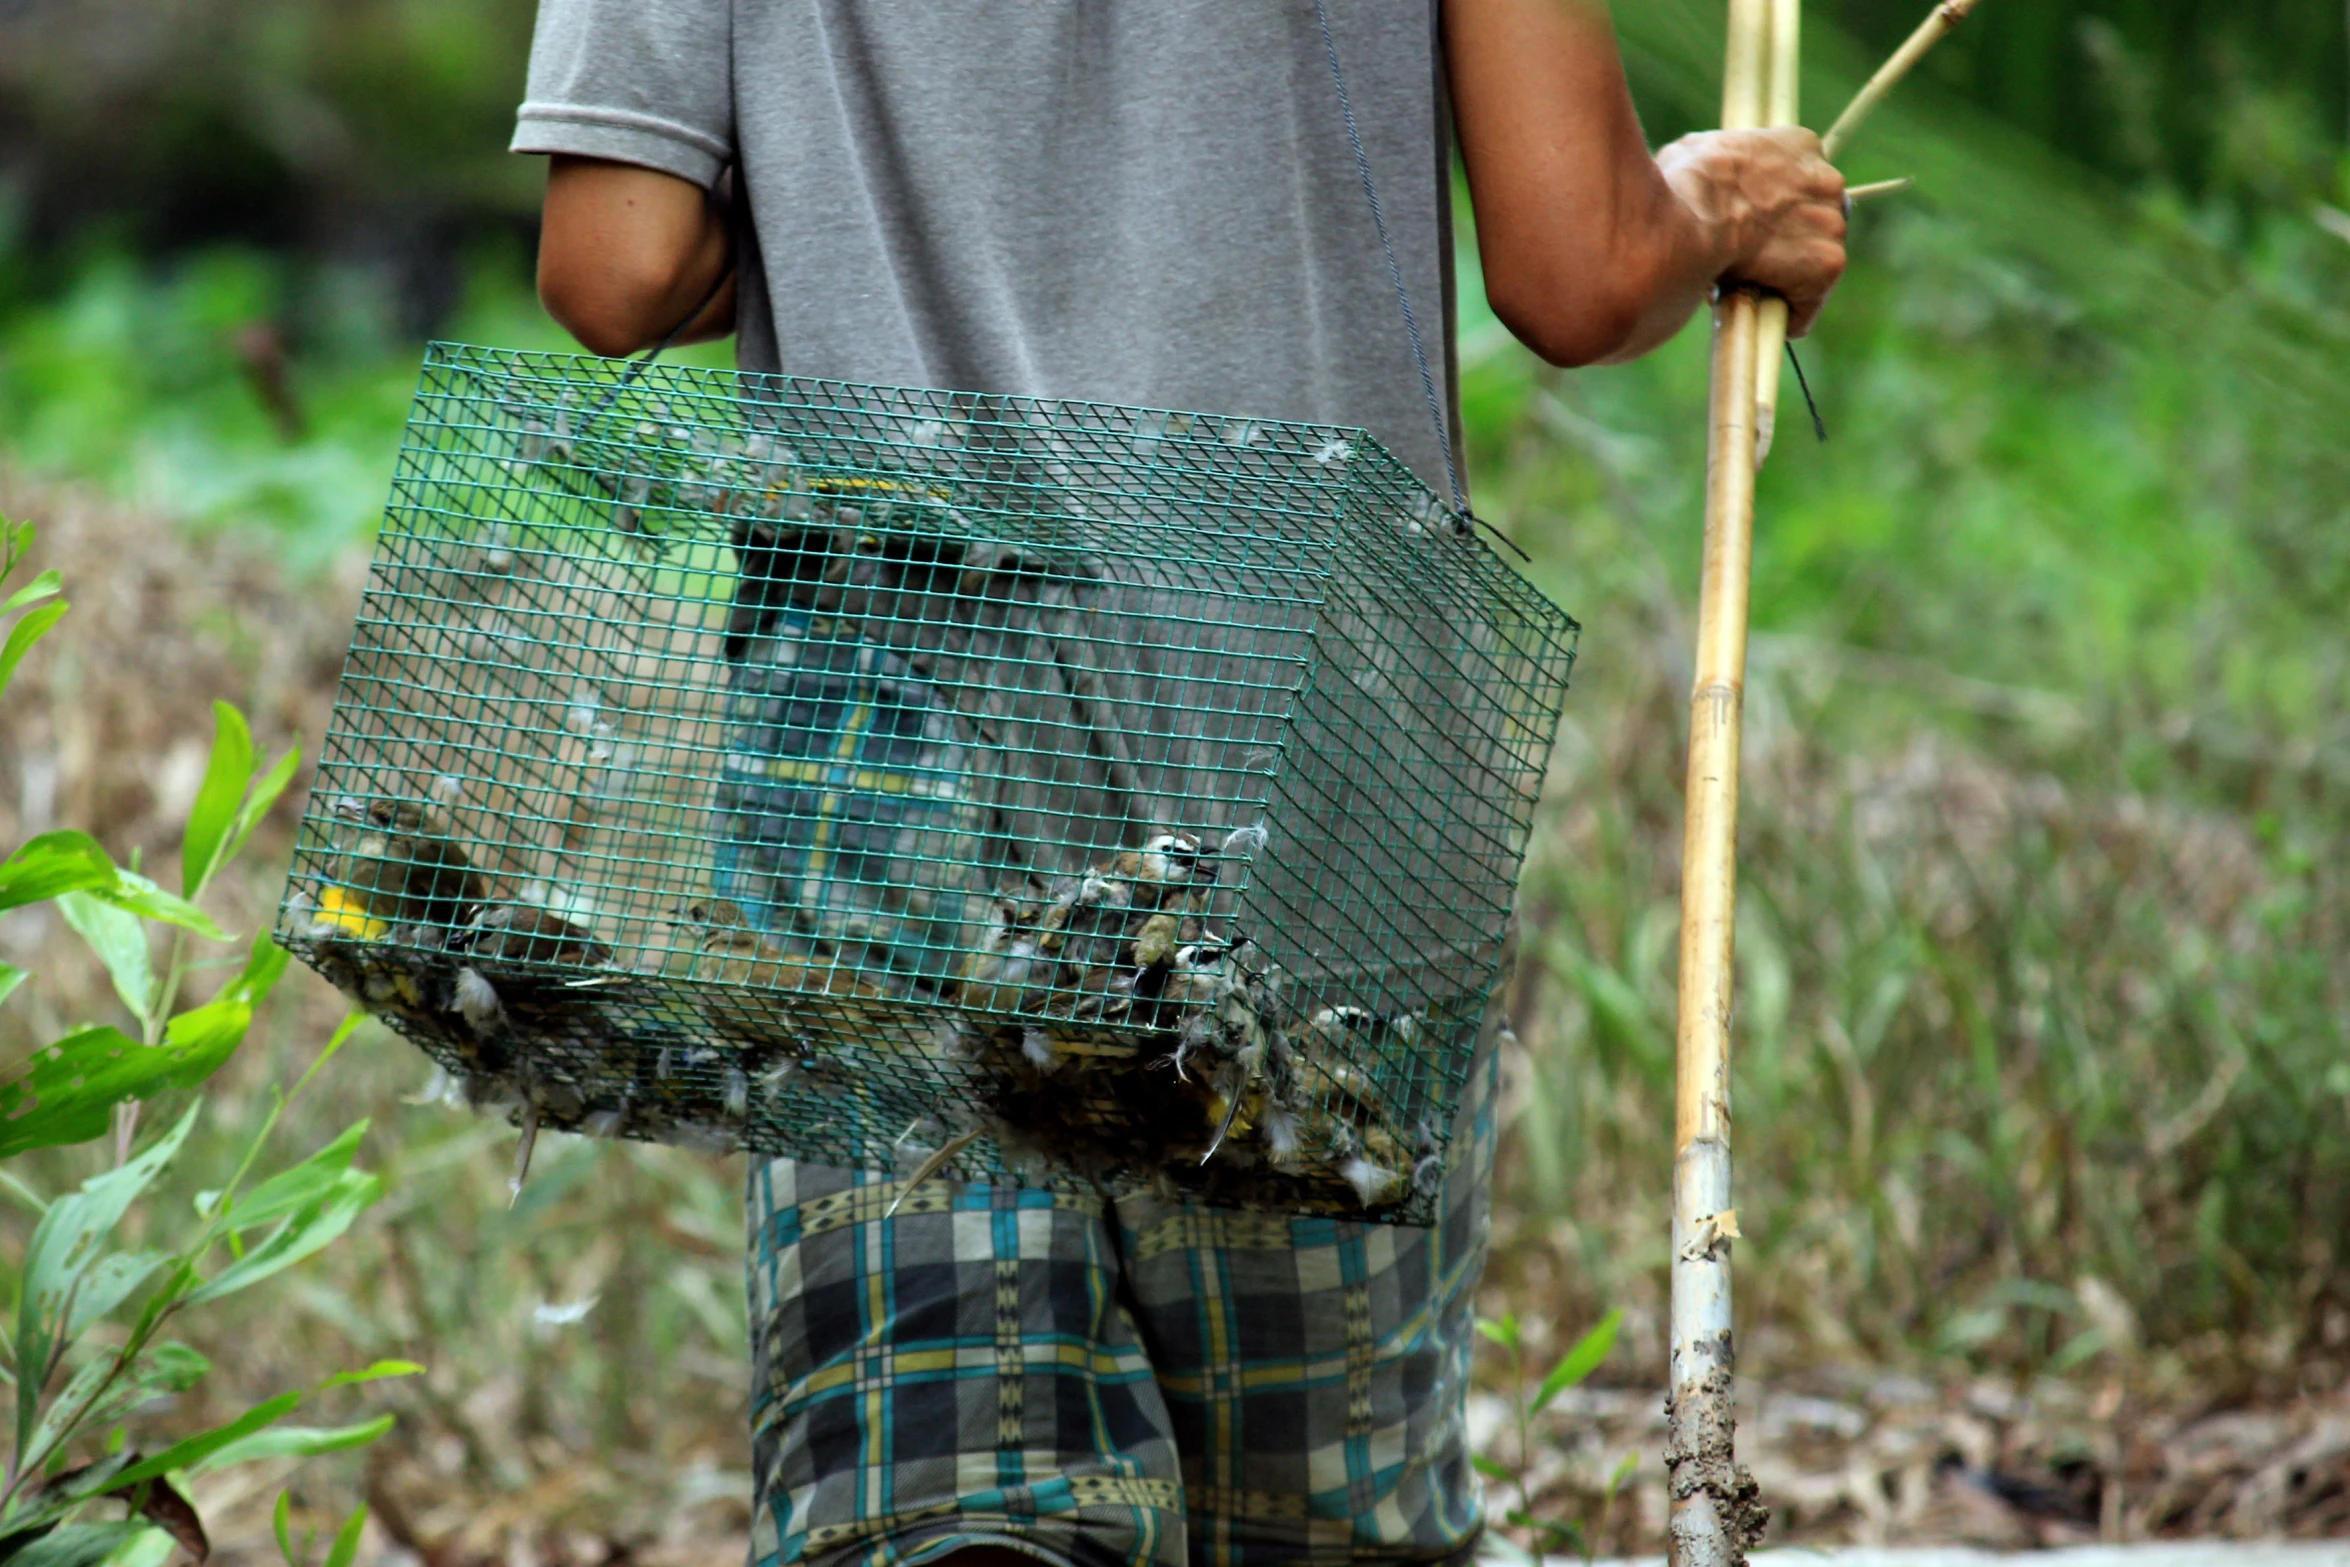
(1160,205)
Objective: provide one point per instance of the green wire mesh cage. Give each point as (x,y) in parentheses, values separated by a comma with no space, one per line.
(918,780)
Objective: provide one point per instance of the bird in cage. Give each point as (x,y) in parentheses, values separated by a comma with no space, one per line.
(847,532)
(526,935)
(1105,944)
(402,867)
(1349,1124)
(721,945)
(385,968)
(1232,1042)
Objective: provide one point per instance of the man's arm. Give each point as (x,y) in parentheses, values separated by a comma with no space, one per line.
(625,252)
(1593,249)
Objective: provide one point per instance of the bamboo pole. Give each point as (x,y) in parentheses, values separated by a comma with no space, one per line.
(1781,102)
(1715,1515)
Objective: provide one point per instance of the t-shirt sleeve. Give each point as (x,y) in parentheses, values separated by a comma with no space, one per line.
(649,82)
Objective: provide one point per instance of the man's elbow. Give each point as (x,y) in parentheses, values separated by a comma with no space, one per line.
(611,307)
(1566,322)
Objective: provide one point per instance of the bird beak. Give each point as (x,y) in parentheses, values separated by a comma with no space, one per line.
(350,809)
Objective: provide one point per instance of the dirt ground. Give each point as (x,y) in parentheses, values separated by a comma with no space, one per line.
(527,1456)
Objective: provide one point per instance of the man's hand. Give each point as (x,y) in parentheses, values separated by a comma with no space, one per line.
(1593,249)
(625,252)
(1773,203)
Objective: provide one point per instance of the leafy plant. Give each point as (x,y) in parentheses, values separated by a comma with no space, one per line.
(89,1342)
(340,1551)
(1580,1360)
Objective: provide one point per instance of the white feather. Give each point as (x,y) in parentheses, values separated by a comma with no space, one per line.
(1372,1182)
(1249,840)
(435,1090)
(1037,1046)
(1281,1135)
(738,1094)
(477,998)
(1097,891)
(547,1314)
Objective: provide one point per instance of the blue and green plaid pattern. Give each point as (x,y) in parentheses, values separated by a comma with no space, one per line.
(846,817)
(1110,1380)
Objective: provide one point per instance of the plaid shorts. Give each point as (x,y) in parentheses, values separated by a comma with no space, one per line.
(1097,1381)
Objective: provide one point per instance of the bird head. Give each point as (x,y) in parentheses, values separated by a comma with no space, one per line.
(711,914)
(387,815)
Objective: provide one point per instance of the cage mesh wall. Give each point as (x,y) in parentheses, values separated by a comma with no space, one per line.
(869,775)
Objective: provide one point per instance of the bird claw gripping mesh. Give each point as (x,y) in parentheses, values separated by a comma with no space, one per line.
(914,779)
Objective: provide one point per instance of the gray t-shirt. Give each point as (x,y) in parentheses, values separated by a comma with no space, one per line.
(1133,203)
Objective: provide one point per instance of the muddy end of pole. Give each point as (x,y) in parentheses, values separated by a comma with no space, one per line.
(1718,1515)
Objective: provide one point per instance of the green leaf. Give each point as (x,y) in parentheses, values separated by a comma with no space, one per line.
(78,1544)
(345,1550)
(173,1367)
(153,1499)
(214,815)
(1492,1470)
(153,1548)
(374,1373)
(287,1192)
(1503,1332)
(64,1247)
(160,1369)
(264,794)
(313,1225)
(27,631)
(78,1394)
(281,1523)
(109,1283)
(296,1442)
(139,895)
(202,1038)
(185,1454)
(119,937)
(45,586)
(10,978)
(55,862)
(1580,1361)
(65,1092)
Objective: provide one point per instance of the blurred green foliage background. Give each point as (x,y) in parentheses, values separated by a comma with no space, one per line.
(2045,947)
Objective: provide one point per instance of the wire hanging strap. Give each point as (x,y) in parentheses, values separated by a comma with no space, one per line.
(1403,298)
